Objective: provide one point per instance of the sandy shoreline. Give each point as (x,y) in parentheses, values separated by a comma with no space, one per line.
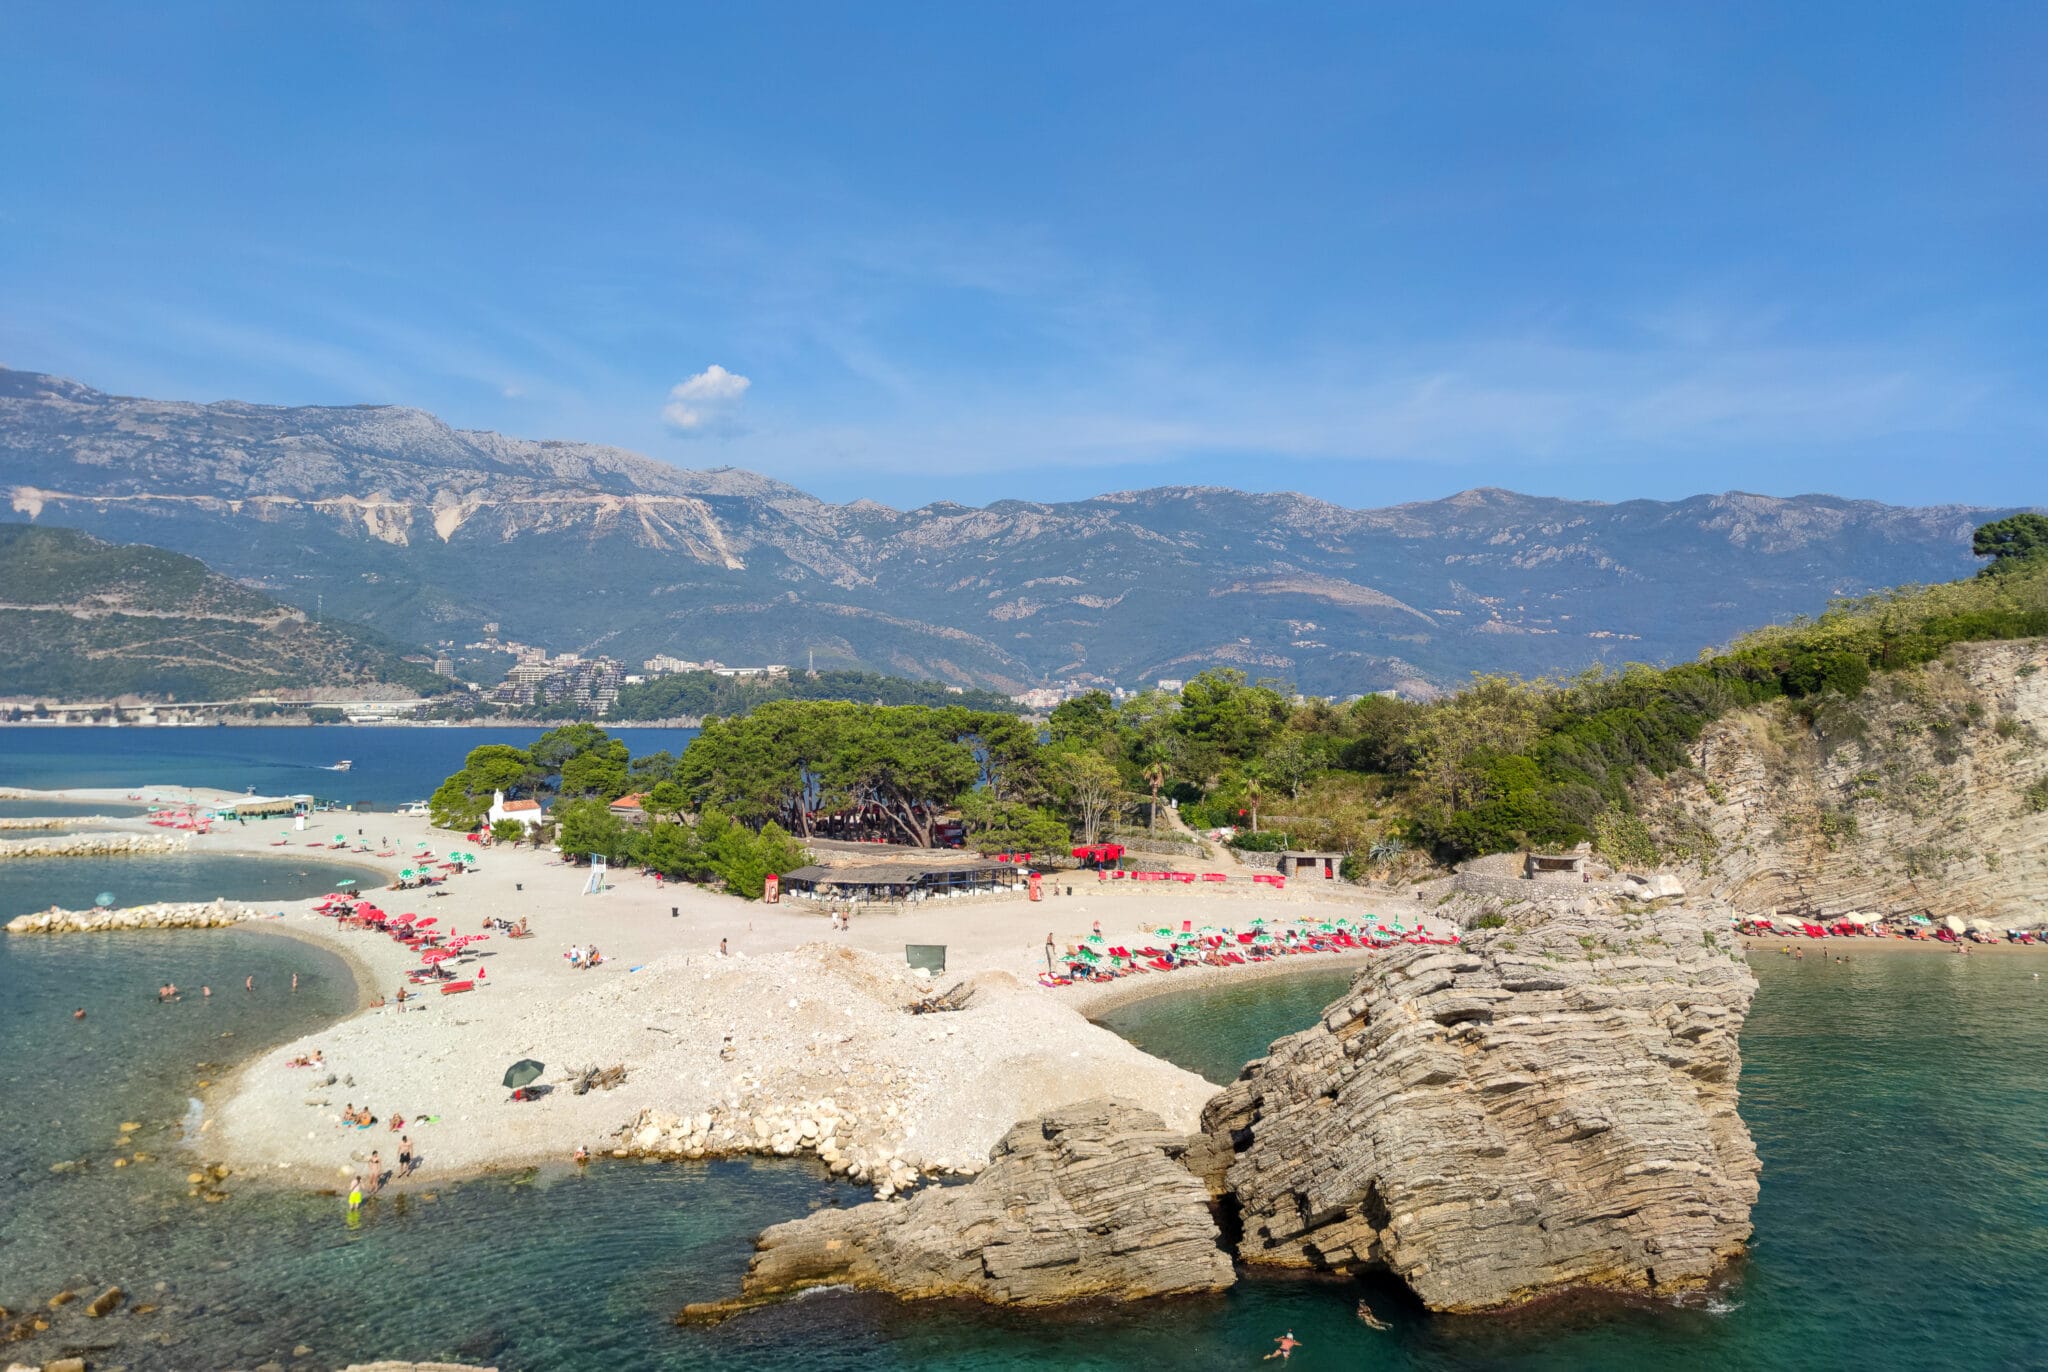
(942,1088)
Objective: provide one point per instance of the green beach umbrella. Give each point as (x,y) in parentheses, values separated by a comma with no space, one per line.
(405,872)
(346,881)
(523,1072)
(103,899)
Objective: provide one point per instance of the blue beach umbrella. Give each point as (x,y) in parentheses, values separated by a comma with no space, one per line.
(103,899)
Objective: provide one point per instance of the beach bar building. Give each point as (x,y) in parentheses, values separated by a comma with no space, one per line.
(265,807)
(903,881)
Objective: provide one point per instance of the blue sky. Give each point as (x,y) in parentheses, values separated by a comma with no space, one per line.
(1377,253)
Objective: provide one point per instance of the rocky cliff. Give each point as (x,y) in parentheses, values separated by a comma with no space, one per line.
(1927,794)
(1545,1108)
(1089,1201)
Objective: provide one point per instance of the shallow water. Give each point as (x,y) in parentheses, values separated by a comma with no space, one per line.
(31,884)
(1215,1032)
(39,809)
(392,765)
(1903,1224)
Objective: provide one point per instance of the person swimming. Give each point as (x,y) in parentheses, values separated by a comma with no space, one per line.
(1285,1352)
(1370,1320)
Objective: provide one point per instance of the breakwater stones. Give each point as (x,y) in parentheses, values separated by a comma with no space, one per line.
(860,1145)
(191,915)
(91,845)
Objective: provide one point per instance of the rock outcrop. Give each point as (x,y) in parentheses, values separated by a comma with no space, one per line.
(90,845)
(213,914)
(1927,794)
(1092,1201)
(1541,1109)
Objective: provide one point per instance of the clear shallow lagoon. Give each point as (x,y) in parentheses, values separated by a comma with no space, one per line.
(31,884)
(391,765)
(55,809)
(1896,1100)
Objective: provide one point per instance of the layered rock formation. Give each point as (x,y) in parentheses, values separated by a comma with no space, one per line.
(213,914)
(1544,1108)
(1089,1201)
(1918,797)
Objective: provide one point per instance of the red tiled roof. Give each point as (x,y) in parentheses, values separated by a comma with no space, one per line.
(512,805)
(631,802)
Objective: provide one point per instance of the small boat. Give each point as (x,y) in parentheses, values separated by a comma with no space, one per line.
(341,766)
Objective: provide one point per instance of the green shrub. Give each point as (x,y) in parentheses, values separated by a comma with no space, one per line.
(2036,797)
(1495,921)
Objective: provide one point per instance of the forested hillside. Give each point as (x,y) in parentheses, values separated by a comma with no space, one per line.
(86,620)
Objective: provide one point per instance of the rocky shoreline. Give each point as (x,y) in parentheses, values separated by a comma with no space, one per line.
(1550,1107)
(213,914)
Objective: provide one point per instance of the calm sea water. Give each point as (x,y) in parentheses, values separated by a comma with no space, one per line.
(31,884)
(1896,1101)
(391,765)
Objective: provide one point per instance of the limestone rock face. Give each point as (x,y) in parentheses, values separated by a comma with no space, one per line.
(1089,1201)
(1919,797)
(1540,1109)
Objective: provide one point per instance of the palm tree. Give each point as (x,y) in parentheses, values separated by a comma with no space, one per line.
(1251,800)
(1155,777)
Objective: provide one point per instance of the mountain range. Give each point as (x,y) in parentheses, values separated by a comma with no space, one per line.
(388,516)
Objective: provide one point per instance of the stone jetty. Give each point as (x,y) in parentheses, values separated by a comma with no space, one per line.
(194,915)
(1088,1201)
(1544,1108)
(91,845)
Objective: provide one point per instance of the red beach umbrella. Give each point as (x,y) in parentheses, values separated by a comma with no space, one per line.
(428,920)
(438,955)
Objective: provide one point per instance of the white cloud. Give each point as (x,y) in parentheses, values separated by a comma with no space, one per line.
(702,402)
(514,392)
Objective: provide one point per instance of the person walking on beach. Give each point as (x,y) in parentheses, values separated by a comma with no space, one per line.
(723,951)
(1285,1352)
(376,1171)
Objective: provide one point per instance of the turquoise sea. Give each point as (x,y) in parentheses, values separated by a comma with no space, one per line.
(1897,1101)
(391,765)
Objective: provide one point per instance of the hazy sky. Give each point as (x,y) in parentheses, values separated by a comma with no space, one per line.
(916,251)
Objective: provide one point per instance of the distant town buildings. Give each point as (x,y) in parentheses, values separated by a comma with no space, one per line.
(662,664)
(1172,683)
(444,666)
(568,679)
